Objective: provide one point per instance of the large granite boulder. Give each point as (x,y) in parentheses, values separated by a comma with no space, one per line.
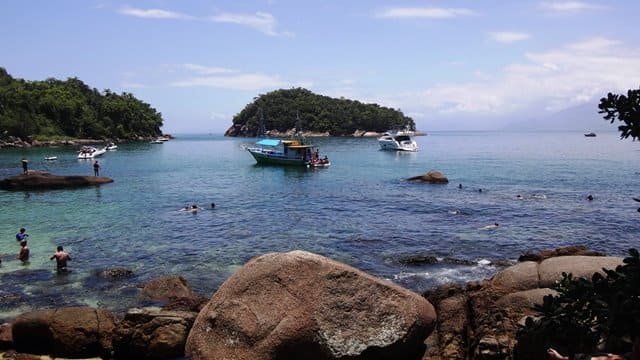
(299,305)
(550,270)
(432,177)
(73,332)
(152,334)
(45,181)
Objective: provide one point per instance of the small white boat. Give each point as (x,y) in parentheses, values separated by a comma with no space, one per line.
(397,140)
(156,141)
(49,158)
(111,146)
(90,152)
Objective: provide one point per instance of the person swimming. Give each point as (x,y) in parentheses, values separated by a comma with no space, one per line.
(489,227)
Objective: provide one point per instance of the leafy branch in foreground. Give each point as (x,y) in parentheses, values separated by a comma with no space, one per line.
(587,315)
(625,109)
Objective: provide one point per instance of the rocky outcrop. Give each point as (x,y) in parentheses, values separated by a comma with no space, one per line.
(480,321)
(152,334)
(73,332)
(431,177)
(46,181)
(565,251)
(302,305)
(165,288)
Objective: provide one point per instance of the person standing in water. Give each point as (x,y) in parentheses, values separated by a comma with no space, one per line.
(61,259)
(24,251)
(96,168)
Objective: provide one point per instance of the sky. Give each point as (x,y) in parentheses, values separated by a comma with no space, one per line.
(448,64)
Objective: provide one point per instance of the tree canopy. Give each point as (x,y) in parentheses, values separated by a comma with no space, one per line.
(282,108)
(56,108)
(624,108)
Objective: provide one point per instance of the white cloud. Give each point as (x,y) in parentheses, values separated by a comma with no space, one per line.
(263,22)
(152,13)
(206,70)
(424,12)
(508,37)
(552,80)
(568,6)
(251,82)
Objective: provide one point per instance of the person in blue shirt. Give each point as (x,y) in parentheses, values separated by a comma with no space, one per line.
(21,235)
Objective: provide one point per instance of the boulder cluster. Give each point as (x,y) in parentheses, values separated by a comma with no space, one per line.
(299,305)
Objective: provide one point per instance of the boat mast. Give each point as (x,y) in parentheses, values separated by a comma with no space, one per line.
(261,129)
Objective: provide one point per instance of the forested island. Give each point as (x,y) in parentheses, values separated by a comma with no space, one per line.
(54,109)
(286,109)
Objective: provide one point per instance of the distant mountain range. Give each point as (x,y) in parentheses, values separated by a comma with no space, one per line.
(583,118)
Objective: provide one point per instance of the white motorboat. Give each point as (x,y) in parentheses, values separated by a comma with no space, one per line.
(50,158)
(90,152)
(398,140)
(111,146)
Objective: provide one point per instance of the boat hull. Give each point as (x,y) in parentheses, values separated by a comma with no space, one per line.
(265,157)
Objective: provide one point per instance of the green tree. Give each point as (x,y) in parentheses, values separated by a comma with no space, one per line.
(624,108)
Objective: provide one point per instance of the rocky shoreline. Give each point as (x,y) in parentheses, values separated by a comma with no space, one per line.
(302,305)
(16,142)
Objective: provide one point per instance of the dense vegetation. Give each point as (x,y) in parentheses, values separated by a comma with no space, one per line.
(588,313)
(625,109)
(281,109)
(53,108)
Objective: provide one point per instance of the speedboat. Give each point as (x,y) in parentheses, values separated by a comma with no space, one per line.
(398,141)
(50,158)
(111,146)
(591,134)
(90,152)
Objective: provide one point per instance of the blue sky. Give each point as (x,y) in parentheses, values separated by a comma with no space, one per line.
(473,65)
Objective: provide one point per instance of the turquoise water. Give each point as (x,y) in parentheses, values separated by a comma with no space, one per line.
(360,211)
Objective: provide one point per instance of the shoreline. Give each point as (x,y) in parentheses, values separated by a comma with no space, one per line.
(171,298)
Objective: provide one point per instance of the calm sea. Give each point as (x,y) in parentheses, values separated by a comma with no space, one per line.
(360,211)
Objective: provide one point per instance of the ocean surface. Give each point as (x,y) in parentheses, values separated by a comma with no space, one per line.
(360,211)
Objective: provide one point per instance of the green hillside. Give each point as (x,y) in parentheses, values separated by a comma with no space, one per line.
(54,108)
(317,113)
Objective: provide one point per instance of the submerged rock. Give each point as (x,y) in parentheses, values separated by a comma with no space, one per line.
(45,181)
(301,305)
(166,288)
